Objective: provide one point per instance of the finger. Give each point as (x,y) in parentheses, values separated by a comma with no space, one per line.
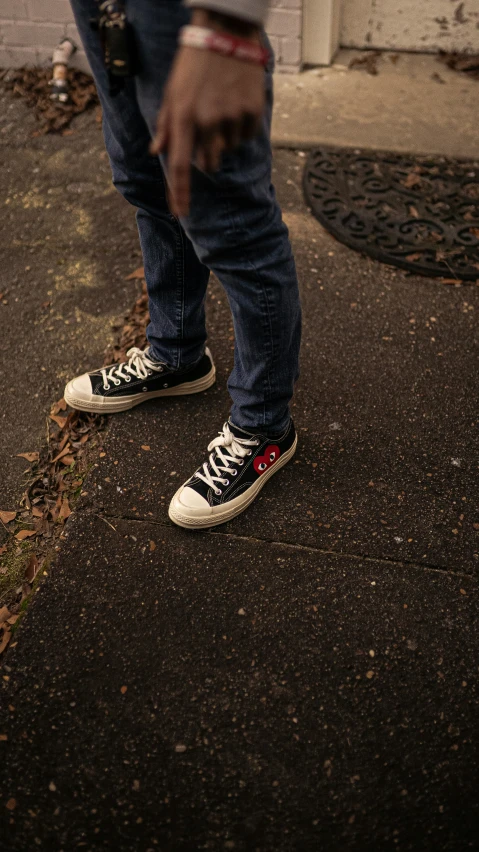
(212,150)
(160,140)
(180,153)
(250,126)
(232,134)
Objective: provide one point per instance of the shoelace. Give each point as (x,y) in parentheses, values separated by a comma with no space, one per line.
(138,365)
(227,450)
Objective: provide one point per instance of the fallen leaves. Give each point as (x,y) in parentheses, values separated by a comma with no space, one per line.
(60,421)
(24,534)
(54,479)
(33,84)
(60,405)
(152,546)
(369,62)
(7,620)
(4,614)
(30,457)
(138,273)
(459,62)
(32,568)
(123,689)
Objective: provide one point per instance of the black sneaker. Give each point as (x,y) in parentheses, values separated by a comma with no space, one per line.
(239,465)
(122,386)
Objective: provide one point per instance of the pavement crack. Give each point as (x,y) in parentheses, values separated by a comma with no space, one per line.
(339,554)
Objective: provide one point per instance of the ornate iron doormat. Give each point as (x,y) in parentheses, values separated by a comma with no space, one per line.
(419,213)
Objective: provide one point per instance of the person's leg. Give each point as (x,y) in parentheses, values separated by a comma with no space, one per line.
(176,279)
(236,228)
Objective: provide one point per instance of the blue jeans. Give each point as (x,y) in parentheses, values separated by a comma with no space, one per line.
(234,228)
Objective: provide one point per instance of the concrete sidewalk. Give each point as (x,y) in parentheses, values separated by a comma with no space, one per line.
(414,105)
(305,676)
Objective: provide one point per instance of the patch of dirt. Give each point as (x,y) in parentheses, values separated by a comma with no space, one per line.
(33,85)
(461,62)
(368,62)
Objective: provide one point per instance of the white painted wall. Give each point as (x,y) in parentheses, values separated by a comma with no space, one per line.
(422,25)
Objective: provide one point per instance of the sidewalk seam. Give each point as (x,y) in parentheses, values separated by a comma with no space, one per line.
(339,554)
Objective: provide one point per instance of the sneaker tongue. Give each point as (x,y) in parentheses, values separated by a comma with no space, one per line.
(241,433)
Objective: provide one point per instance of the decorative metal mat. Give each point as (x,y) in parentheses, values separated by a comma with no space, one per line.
(419,213)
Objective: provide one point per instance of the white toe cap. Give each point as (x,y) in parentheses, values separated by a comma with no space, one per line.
(190,499)
(80,387)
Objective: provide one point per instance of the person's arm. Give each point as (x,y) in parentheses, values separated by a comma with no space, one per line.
(211,102)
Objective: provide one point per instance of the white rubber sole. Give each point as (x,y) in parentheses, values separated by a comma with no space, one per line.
(102,405)
(221,514)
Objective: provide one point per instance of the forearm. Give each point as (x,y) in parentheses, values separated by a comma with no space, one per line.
(250,11)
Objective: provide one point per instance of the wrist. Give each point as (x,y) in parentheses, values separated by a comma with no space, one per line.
(225,24)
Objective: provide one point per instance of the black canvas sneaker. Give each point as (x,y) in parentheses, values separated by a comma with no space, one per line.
(122,386)
(239,465)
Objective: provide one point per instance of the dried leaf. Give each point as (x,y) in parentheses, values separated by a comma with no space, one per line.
(4,614)
(411,180)
(413,257)
(152,546)
(62,453)
(23,534)
(32,568)
(146,448)
(123,689)
(138,273)
(450,281)
(4,642)
(30,457)
(3,549)
(60,405)
(60,421)
(6,517)
(12,803)
(67,460)
(65,510)
(37,512)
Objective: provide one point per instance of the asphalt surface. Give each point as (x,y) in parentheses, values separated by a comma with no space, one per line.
(305,676)
(68,243)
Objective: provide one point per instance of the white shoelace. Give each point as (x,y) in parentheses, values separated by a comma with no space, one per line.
(236,451)
(139,365)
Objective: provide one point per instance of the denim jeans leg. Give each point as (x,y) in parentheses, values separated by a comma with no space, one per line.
(175,277)
(236,228)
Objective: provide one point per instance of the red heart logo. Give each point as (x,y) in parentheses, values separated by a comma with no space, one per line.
(271,455)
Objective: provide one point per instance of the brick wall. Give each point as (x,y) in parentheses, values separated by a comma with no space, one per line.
(30,29)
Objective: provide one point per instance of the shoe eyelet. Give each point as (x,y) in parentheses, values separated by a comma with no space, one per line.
(116,382)
(106,387)
(249,453)
(165,385)
(150,372)
(226,481)
(128,379)
(234,473)
(241,463)
(144,389)
(218,491)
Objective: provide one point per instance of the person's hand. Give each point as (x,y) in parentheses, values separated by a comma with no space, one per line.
(211,104)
